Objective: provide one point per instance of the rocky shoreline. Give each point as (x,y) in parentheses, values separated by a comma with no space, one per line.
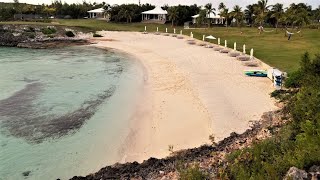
(210,158)
(39,37)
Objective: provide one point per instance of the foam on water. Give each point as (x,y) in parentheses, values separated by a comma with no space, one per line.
(64,112)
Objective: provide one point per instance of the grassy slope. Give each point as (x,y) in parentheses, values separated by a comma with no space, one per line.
(273,48)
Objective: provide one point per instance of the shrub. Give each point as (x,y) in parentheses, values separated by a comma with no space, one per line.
(31,35)
(192,173)
(70,34)
(314,26)
(48,30)
(97,35)
(297,144)
(293,80)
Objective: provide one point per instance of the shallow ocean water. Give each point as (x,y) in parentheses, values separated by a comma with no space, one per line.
(64,112)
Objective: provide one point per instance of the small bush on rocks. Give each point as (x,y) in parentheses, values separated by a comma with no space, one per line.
(48,30)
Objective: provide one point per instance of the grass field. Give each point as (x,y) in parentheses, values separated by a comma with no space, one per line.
(271,47)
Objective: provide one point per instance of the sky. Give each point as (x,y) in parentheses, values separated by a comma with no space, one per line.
(229,3)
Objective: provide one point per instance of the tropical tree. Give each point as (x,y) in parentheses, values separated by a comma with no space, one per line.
(316,14)
(127,13)
(298,14)
(226,14)
(261,10)
(202,17)
(277,13)
(222,6)
(209,10)
(173,14)
(249,14)
(237,14)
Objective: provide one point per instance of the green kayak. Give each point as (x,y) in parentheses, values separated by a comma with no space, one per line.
(257,73)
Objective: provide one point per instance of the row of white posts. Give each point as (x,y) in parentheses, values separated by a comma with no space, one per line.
(203,38)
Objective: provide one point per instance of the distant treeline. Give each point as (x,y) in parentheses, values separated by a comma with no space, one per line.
(260,13)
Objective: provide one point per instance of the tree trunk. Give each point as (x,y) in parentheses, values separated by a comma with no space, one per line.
(172,23)
(277,26)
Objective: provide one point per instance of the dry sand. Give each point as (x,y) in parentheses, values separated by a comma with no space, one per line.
(190,93)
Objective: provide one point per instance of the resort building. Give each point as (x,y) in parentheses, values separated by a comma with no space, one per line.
(156,15)
(215,19)
(99,13)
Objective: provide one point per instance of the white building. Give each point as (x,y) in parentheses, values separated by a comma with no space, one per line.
(98,13)
(156,15)
(215,19)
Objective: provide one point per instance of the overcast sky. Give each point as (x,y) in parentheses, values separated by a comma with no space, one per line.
(229,3)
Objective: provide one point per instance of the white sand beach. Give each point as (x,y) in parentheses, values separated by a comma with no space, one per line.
(190,93)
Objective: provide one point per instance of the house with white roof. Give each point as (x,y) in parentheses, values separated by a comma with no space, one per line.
(156,15)
(215,18)
(98,13)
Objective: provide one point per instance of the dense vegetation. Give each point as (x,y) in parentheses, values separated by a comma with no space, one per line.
(260,13)
(298,143)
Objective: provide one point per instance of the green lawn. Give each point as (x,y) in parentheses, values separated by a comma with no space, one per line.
(272,47)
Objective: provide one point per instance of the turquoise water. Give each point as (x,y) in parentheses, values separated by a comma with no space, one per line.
(64,112)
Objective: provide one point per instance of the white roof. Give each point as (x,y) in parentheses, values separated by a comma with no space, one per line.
(212,16)
(99,10)
(157,10)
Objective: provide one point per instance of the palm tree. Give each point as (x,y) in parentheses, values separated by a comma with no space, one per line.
(202,17)
(261,10)
(298,15)
(222,6)
(126,13)
(277,13)
(173,14)
(237,14)
(209,10)
(317,14)
(249,14)
(226,14)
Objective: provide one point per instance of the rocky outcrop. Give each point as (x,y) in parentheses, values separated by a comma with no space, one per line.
(52,43)
(208,157)
(31,36)
(8,39)
(296,174)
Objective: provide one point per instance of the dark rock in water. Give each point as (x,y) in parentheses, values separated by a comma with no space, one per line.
(8,39)
(296,174)
(26,173)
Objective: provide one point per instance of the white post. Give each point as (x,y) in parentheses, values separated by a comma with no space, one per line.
(174,30)
(145,28)
(191,35)
(157,29)
(225,43)
(180,32)
(235,46)
(203,37)
(244,49)
(251,54)
(218,41)
(166,30)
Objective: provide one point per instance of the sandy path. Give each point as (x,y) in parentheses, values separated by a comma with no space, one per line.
(190,93)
